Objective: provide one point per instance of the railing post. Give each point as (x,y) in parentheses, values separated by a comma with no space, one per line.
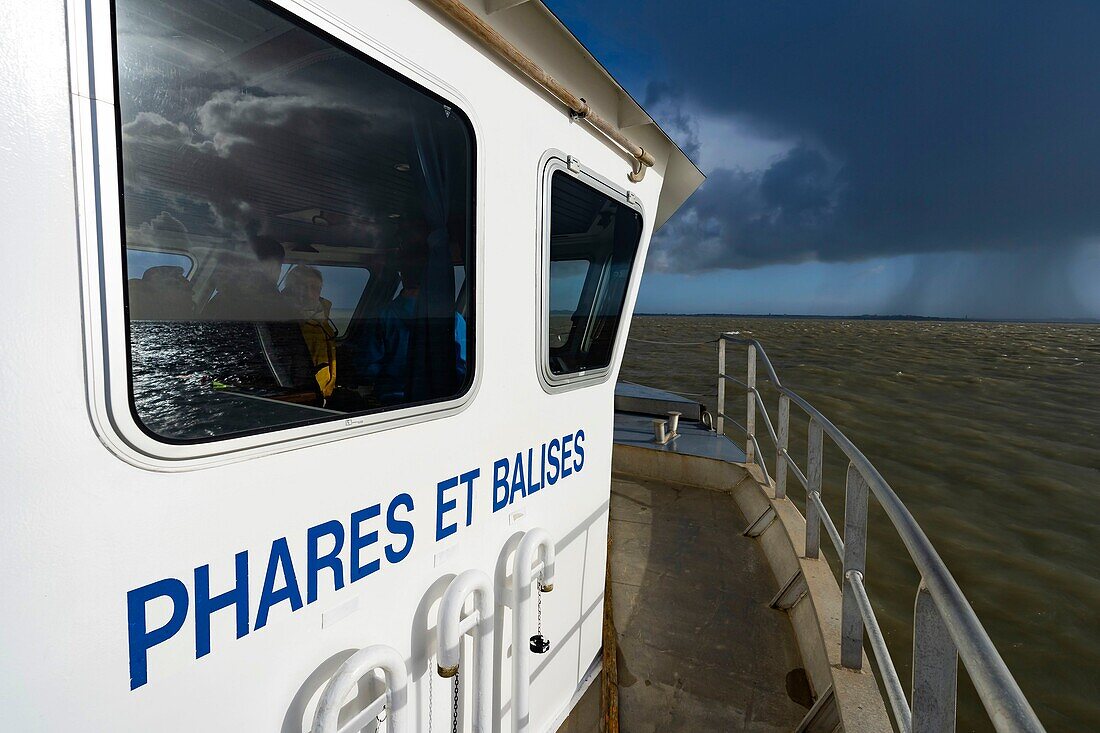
(813,481)
(720,421)
(935,668)
(855,561)
(750,409)
(781,448)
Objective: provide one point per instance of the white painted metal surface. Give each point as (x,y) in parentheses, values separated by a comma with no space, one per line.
(453,625)
(393,702)
(95,510)
(534,562)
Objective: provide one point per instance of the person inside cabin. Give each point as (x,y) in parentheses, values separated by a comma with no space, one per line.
(162,294)
(382,350)
(247,293)
(302,291)
(456,254)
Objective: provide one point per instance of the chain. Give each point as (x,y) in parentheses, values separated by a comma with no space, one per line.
(431,687)
(540,603)
(454,707)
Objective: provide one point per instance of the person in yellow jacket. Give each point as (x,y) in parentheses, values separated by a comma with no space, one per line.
(302,288)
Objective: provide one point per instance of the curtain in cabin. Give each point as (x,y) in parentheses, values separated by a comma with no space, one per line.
(432,363)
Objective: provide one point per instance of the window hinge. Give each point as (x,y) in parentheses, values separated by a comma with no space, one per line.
(573,164)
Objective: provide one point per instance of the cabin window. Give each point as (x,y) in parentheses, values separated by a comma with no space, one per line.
(297,224)
(593,241)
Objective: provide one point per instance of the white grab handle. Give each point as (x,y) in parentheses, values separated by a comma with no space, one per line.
(536,546)
(452,625)
(346,680)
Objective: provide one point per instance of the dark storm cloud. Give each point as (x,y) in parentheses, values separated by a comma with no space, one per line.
(233,143)
(743,219)
(241,142)
(666,102)
(919,127)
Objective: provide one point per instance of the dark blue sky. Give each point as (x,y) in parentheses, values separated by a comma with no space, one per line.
(935,158)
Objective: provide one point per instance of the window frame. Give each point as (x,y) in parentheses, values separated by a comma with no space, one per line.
(552,162)
(98,180)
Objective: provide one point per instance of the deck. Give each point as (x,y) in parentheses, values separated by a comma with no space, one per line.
(699,647)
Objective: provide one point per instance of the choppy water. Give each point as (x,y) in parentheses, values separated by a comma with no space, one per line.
(989,433)
(173,366)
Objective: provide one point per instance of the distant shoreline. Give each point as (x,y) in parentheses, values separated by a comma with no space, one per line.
(867,317)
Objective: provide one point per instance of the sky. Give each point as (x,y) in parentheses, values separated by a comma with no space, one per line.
(934,158)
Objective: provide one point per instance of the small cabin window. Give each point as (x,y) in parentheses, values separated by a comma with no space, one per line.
(298,233)
(344,289)
(158,284)
(593,241)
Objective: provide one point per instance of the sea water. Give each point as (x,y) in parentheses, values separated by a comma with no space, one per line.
(989,434)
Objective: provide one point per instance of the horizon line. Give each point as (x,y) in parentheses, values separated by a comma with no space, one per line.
(878,317)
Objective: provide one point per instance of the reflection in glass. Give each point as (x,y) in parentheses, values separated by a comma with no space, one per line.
(593,241)
(566,287)
(297,224)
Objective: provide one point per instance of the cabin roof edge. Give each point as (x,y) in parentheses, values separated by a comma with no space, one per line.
(540,33)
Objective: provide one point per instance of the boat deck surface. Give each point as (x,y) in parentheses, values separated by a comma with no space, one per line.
(693,439)
(636,407)
(699,647)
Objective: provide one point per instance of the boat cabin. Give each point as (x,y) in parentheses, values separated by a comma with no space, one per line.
(324,303)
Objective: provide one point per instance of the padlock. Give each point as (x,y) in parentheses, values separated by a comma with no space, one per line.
(540,644)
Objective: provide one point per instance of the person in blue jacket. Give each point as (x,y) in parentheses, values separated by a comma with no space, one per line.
(383,351)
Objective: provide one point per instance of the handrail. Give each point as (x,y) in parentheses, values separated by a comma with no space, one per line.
(1001,696)
(641,159)
(895,693)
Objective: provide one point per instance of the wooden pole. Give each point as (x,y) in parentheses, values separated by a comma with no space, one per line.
(609,680)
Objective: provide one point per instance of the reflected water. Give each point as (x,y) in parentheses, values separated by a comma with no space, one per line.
(173,380)
(988,432)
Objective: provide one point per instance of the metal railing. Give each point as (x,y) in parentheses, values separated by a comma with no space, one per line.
(945,627)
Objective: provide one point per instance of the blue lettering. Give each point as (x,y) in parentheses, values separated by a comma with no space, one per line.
(399,527)
(517,479)
(360,541)
(280,555)
(552,478)
(542,473)
(532,486)
(442,507)
(331,559)
(141,639)
(500,481)
(579,463)
(205,605)
(468,479)
(565,453)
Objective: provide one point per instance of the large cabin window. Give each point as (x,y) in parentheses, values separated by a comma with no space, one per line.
(298,224)
(593,240)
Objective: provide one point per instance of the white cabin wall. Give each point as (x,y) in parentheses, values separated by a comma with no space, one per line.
(82,527)
(43,421)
